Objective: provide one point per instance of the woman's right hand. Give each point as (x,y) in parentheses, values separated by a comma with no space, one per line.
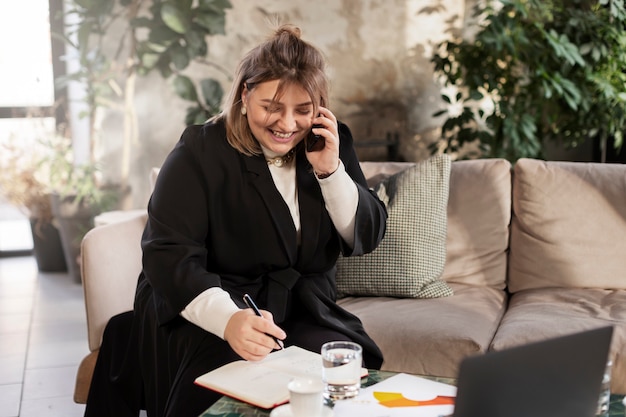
(249,335)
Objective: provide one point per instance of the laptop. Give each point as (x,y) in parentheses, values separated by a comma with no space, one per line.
(559,377)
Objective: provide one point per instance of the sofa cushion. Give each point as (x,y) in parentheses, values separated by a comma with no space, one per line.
(568,225)
(540,314)
(431,337)
(479,215)
(409,260)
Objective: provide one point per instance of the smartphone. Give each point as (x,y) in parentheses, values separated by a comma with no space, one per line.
(314,143)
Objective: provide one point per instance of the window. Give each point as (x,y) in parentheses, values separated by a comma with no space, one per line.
(27,70)
(26,59)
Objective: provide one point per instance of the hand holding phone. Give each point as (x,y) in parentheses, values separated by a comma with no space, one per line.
(323,149)
(314,143)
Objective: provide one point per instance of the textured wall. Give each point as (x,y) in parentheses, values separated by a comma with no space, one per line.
(378,55)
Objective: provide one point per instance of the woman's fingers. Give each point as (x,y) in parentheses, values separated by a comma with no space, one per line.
(250,336)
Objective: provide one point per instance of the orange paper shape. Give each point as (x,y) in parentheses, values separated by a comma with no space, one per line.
(396,399)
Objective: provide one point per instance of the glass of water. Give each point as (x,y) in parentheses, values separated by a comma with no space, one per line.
(341,372)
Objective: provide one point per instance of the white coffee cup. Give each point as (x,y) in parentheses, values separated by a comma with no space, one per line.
(305,397)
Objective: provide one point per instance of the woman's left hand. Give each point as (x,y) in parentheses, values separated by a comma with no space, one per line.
(325,161)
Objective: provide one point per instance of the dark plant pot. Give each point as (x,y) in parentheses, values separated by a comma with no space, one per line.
(47,246)
(75,218)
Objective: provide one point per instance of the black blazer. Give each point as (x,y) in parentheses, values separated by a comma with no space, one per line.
(217,219)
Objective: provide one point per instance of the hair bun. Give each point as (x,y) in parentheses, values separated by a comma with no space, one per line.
(289,30)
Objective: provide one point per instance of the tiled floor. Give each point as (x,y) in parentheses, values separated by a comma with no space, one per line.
(43,337)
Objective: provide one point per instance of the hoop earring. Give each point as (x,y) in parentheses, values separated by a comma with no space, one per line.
(244,111)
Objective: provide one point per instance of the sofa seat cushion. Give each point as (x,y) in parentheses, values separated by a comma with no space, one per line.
(568,225)
(431,336)
(539,314)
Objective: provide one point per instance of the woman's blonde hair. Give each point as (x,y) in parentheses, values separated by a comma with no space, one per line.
(284,57)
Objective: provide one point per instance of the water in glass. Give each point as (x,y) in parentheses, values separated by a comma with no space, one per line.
(341,370)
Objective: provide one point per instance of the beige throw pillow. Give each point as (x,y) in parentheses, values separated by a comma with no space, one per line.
(410,259)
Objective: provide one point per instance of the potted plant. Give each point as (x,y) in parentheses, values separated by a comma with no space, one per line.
(113,42)
(535,71)
(77,196)
(24,183)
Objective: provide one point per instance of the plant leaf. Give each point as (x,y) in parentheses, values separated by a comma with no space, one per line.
(212,92)
(174,18)
(179,57)
(184,88)
(213,22)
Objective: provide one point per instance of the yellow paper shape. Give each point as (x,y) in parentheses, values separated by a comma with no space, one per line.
(396,399)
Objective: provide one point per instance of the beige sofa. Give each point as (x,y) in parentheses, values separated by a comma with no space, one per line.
(533,252)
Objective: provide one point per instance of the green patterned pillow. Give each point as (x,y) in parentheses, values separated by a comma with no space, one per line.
(410,259)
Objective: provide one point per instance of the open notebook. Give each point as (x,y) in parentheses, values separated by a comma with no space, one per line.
(264,383)
(559,377)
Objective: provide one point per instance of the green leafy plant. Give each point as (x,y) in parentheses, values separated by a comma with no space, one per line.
(71,179)
(159,35)
(23,179)
(30,172)
(177,33)
(535,71)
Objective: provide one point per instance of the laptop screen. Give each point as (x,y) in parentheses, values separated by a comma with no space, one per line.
(552,378)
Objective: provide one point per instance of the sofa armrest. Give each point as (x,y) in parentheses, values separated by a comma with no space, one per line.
(110,267)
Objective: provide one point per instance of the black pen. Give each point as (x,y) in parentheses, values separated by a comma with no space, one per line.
(250,303)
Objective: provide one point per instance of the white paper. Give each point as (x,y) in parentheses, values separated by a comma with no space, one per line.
(411,387)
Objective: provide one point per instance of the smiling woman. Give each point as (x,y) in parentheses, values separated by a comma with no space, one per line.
(226,219)
(278,123)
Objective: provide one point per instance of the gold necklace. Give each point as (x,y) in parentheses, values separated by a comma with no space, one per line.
(281,161)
